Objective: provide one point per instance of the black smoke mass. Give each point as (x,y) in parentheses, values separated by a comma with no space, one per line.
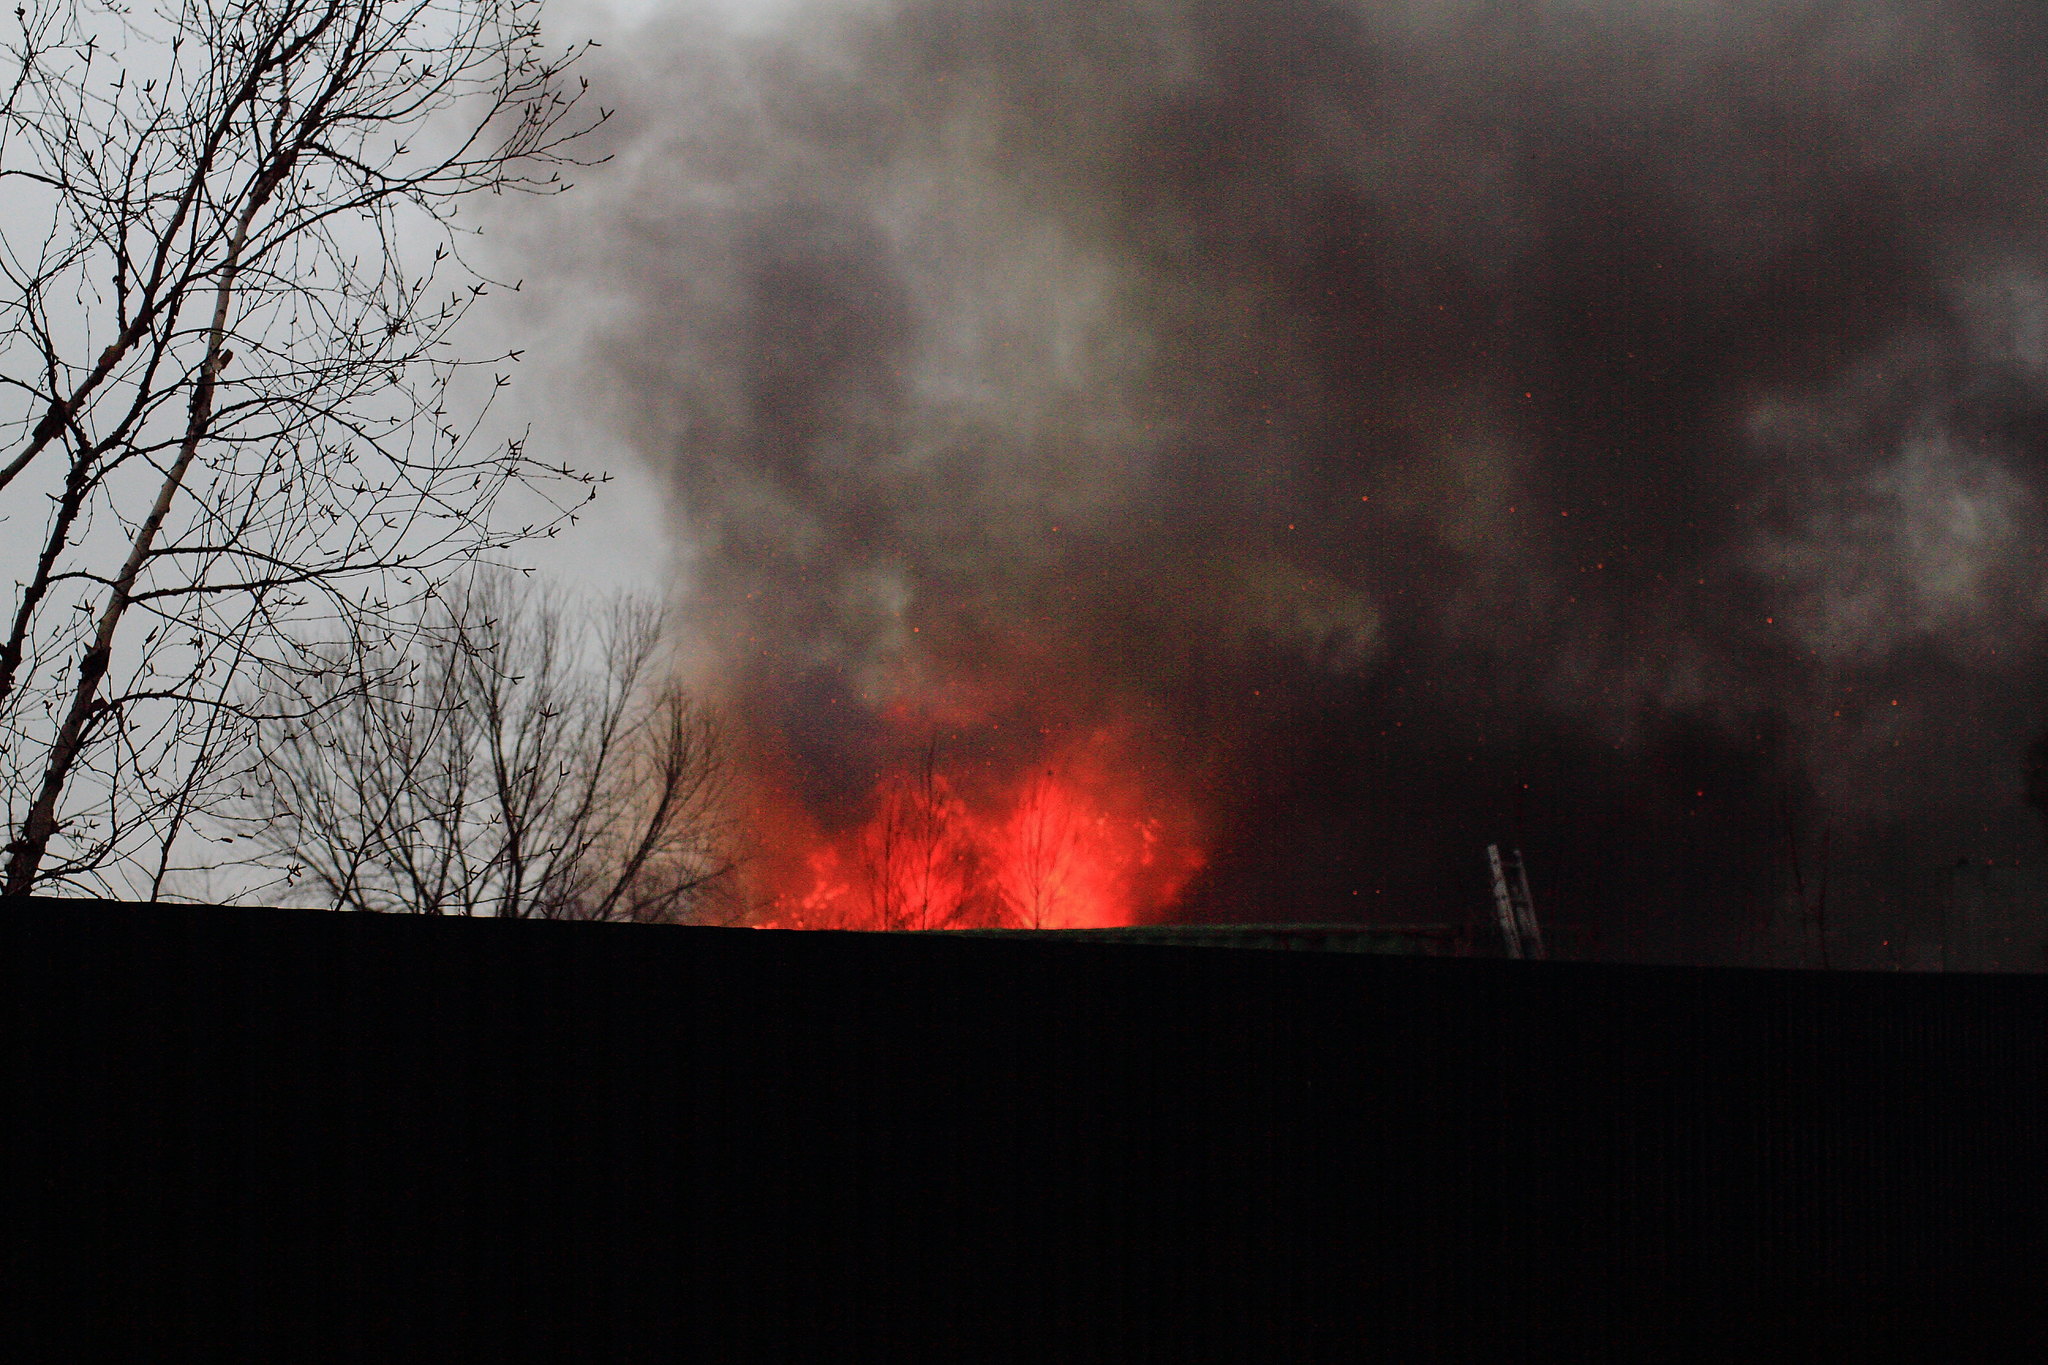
(1618,430)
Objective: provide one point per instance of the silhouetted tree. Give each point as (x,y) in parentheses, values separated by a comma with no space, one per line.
(917,869)
(229,283)
(517,755)
(1035,882)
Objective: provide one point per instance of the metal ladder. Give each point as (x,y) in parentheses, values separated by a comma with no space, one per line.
(1511,900)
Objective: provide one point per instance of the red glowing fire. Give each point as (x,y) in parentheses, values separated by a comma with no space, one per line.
(1083,836)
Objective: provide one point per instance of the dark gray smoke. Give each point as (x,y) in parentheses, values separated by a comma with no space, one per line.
(1618,429)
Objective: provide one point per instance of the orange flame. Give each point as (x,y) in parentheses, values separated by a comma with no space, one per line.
(1080,838)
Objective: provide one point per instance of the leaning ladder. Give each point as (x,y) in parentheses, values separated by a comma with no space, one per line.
(1511,899)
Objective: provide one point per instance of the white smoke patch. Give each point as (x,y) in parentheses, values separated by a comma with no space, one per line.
(1935,546)
(1024,379)
(2004,309)
(1310,613)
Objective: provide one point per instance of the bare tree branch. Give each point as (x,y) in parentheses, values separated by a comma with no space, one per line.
(508,757)
(230,288)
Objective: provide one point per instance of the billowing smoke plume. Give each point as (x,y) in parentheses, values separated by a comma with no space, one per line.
(1617,429)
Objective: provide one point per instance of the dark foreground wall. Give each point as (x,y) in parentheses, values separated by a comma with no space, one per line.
(280,1135)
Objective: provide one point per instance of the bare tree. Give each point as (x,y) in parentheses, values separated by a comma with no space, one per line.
(517,755)
(229,284)
(917,872)
(1041,862)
